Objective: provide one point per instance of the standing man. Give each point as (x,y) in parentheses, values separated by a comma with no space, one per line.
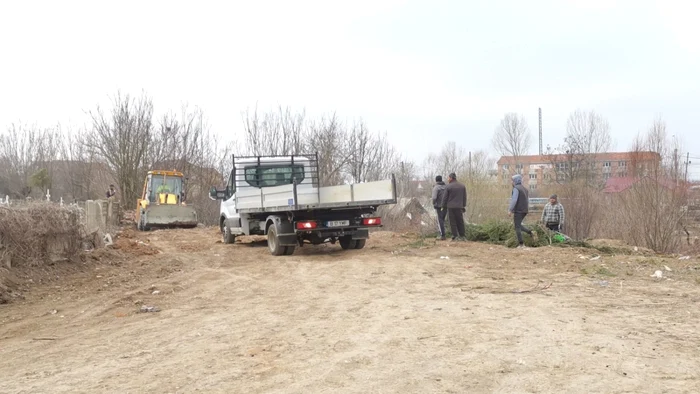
(111,192)
(438,194)
(455,202)
(553,214)
(519,204)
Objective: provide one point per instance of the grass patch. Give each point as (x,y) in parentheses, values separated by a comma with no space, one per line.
(602,271)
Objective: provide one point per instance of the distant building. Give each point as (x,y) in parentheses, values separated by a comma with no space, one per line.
(620,185)
(540,170)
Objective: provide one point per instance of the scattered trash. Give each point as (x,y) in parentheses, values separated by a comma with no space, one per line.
(445,257)
(603,283)
(684,258)
(582,257)
(147,309)
(667,268)
(108,239)
(53,312)
(658,274)
(636,249)
(595,258)
(155,292)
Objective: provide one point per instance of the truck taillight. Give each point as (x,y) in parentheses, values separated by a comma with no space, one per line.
(372,221)
(306,225)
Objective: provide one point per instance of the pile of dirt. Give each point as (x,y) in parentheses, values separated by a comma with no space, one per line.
(134,247)
(8,286)
(128,233)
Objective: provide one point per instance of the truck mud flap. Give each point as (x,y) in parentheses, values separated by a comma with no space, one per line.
(361,233)
(289,239)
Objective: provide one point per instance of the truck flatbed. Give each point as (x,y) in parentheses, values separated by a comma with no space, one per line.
(299,198)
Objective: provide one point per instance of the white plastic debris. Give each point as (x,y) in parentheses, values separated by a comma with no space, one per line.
(658,274)
(156,292)
(445,257)
(636,249)
(667,268)
(595,258)
(108,239)
(684,258)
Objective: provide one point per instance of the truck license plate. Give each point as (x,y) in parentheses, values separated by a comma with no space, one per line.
(338,223)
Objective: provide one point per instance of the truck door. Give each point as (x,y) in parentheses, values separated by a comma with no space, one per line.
(228,205)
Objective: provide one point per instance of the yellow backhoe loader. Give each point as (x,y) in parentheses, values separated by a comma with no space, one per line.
(162,203)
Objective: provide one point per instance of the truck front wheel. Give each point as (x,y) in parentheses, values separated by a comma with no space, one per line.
(228,237)
(273,243)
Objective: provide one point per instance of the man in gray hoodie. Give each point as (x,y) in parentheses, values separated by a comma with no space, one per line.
(438,194)
(518,208)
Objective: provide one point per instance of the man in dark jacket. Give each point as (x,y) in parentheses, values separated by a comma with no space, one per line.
(438,194)
(519,204)
(455,202)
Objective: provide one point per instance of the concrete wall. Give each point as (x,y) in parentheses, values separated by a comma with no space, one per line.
(102,215)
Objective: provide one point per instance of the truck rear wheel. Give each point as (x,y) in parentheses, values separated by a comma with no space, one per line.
(273,243)
(360,243)
(289,250)
(228,237)
(347,242)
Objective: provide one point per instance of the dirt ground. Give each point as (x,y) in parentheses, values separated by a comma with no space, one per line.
(395,317)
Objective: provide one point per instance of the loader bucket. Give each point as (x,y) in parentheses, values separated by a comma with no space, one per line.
(169,216)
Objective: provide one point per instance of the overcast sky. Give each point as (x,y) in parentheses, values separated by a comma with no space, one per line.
(424,72)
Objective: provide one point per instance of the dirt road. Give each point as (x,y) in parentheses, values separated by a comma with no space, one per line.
(394,317)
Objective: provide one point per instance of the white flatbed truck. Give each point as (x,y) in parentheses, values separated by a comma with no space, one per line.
(280,197)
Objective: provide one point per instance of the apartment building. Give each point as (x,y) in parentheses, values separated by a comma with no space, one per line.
(558,168)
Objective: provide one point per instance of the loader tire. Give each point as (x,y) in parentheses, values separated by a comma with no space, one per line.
(360,243)
(141,226)
(273,243)
(228,237)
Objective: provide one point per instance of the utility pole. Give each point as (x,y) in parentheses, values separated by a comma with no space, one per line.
(540,113)
(687,161)
(675,164)
(470,165)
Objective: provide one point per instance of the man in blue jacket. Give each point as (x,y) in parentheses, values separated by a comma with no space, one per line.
(519,204)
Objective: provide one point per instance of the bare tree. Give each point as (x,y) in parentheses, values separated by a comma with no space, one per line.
(21,148)
(651,210)
(329,138)
(274,133)
(372,157)
(452,158)
(122,138)
(587,135)
(512,136)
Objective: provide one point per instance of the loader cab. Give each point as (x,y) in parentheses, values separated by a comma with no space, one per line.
(163,188)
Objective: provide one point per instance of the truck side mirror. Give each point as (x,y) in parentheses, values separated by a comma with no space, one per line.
(215,194)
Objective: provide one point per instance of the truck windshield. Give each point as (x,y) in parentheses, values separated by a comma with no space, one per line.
(165,184)
(267,176)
